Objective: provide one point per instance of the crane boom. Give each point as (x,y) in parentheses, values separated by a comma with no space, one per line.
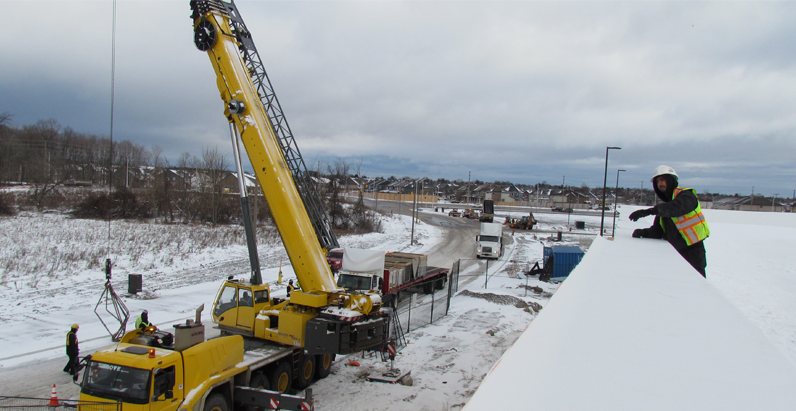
(215,34)
(282,131)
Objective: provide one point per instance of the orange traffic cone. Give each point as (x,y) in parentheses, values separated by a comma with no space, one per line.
(53,398)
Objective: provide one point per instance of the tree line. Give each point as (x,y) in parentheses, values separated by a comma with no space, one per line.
(55,161)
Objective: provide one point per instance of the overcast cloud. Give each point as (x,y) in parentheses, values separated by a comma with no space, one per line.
(519,91)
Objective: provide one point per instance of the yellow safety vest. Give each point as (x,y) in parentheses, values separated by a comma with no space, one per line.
(691,226)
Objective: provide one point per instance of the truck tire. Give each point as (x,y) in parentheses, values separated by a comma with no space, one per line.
(280,377)
(216,402)
(428,287)
(439,283)
(260,381)
(305,372)
(323,365)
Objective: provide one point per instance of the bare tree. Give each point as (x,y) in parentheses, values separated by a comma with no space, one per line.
(215,168)
(161,185)
(8,161)
(44,167)
(186,198)
(338,172)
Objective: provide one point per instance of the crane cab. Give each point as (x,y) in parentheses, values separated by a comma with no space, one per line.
(237,304)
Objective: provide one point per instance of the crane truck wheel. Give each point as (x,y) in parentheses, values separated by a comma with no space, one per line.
(323,365)
(305,372)
(280,377)
(260,381)
(216,402)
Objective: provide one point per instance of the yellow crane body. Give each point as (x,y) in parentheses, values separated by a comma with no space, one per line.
(234,83)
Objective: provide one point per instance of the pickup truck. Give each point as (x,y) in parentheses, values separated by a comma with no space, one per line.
(455,213)
(335,259)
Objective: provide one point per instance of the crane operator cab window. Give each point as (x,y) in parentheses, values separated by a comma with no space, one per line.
(227,300)
(245,298)
(261,296)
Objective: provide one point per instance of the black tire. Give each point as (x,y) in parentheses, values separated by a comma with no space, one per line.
(440,283)
(260,381)
(323,365)
(305,372)
(216,402)
(281,377)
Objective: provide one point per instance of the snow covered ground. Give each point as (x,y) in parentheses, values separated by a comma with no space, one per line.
(447,359)
(635,327)
(748,262)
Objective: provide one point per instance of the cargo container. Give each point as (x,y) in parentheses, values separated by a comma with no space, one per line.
(559,261)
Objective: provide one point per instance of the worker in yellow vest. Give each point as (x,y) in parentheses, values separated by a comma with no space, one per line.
(678,219)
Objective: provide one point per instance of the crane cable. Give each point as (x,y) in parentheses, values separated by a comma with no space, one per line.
(114,305)
(113,99)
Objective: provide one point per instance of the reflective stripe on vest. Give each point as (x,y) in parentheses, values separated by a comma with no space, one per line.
(692,226)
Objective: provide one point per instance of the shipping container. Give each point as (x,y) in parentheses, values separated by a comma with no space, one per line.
(564,260)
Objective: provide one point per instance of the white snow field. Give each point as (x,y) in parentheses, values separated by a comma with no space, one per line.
(636,327)
(751,280)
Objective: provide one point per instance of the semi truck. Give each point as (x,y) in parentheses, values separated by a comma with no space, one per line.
(154,370)
(489,243)
(389,273)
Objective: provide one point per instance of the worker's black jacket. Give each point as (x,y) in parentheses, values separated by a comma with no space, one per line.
(684,203)
(71,344)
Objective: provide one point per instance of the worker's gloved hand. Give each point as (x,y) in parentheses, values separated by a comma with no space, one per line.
(637,233)
(638,214)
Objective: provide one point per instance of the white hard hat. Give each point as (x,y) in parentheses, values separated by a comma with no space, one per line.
(661,170)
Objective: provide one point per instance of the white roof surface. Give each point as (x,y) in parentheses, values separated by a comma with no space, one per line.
(635,327)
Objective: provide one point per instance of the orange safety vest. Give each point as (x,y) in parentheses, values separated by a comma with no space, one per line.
(691,226)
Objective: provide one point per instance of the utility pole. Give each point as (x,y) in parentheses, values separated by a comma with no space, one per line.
(414,214)
(468,186)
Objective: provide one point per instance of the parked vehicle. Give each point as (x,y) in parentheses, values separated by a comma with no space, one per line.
(335,259)
(455,213)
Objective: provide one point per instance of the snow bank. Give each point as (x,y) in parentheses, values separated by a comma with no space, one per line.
(636,327)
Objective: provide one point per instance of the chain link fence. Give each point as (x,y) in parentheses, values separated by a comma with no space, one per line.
(413,309)
(43,404)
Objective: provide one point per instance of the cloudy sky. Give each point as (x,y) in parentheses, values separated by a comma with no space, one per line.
(521,91)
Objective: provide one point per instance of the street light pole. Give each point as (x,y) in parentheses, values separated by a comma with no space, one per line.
(605,181)
(616,200)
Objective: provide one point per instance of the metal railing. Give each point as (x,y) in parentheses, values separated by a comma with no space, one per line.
(36,404)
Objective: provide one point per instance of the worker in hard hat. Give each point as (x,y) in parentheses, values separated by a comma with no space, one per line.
(142,322)
(678,219)
(72,351)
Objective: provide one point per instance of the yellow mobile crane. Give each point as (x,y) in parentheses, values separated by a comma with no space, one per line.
(321,318)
